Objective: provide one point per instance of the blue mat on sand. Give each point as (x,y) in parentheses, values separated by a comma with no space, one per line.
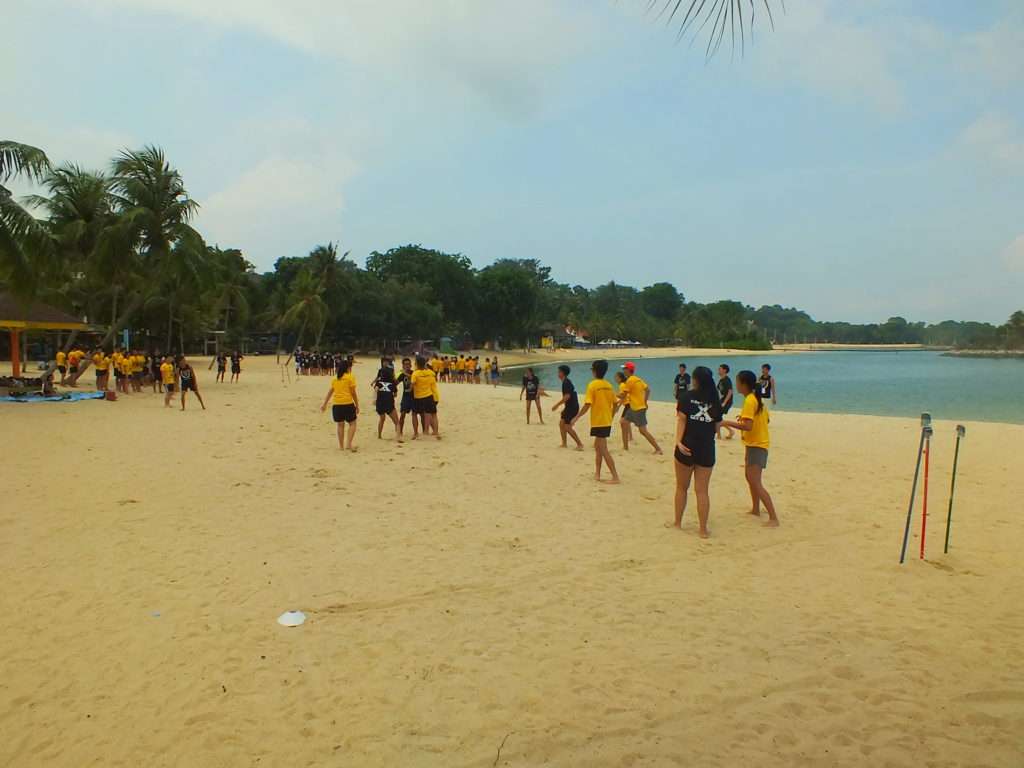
(72,397)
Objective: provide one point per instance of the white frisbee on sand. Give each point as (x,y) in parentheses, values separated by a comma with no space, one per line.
(291,619)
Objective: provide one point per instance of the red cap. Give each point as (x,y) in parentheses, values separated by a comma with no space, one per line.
(631,367)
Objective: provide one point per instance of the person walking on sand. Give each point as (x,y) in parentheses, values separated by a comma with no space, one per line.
(638,395)
(725,397)
(236,366)
(766,383)
(570,404)
(187,376)
(753,423)
(222,366)
(622,402)
(532,390)
(599,401)
(698,412)
(384,385)
(345,408)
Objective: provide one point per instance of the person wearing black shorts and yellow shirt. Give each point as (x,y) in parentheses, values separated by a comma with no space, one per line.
(61,360)
(168,376)
(385,385)
(101,364)
(753,423)
(600,403)
(345,408)
(425,397)
(637,394)
(698,412)
(571,402)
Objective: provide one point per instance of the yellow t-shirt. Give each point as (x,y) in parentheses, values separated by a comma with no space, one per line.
(167,373)
(424,384)
(344,389)
(757,435)
(487,367)
(138,361)
(435,365)
(61,357)
(101,361)
(601,399)
(637,389)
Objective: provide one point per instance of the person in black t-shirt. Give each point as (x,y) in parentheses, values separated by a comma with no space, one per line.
(236,366)
(385,384)
(571,402)
(533,391)
(767,384)
(699,413)
(682,381)
(725,394)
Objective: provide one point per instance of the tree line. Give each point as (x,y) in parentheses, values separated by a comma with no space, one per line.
(117,246)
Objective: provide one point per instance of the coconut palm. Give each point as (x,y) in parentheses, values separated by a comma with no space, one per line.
(307,308)
(693,18)
(25,244)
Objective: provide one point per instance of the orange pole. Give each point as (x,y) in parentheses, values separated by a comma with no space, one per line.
(15,354)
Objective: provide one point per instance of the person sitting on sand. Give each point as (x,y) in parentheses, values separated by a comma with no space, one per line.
(698,412)
(725,397)
(189,383)
(600,403)
(345,408)
(638,395)
(753,423)
(532,390)
(571,403)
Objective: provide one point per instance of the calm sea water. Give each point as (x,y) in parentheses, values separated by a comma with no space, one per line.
(880,383)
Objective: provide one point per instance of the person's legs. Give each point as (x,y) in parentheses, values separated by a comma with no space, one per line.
(563,429)
(683,475)
(183,393)
(702,476)
(571,431)
(624,428)
(650,439)
(380,425)
(341,435)
(528,411)
(598,458)
(199,397)
(607,456)
(351,434)
(754,474)
(540,413)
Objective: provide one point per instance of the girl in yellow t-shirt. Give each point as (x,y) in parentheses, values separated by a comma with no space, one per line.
(600,403)
(345,408)
(753,423)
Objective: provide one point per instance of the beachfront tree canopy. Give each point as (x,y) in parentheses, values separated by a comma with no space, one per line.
(117,247)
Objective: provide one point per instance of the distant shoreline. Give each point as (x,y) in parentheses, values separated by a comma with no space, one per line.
(990,354)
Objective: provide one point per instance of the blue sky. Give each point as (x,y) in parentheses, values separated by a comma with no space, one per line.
(861,160)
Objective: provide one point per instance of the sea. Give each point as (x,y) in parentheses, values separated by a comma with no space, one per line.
(871,382)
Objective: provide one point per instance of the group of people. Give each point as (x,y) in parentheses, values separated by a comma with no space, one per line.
(398,394)
(702,418)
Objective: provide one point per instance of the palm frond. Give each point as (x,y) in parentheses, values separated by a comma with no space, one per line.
(714,18)
(18,159)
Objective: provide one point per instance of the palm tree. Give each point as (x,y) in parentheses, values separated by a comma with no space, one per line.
(306,306)
(232,275)
(25,244)
(723,15)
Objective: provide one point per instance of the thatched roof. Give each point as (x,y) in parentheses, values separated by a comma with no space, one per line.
(15,313)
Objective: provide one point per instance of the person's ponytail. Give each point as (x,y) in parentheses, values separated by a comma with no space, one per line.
(750,380)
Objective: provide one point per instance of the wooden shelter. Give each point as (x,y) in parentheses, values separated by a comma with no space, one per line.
(17,316)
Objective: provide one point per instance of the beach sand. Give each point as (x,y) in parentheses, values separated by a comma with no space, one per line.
(483,593)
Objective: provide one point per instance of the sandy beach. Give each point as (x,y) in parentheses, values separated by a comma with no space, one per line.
(482,594)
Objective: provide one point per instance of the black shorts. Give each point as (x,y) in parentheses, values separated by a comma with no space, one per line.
(568,414)
(236,369)
(385,404)
(221,369)
(407,403)
(702,456)
(600,431)
(346,413)
(187,385)
(73,369)
(62,368)
(118,374)
(531,396)
(424,405)
(169,387)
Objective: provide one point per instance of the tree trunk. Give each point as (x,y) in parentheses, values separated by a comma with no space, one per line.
(130,310)
(298,340)
(113,312)
(320,333)
(181,336)
(170,324)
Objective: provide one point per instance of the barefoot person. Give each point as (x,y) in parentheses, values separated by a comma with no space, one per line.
(681,384)
(405,379)
(622,401)
(425,397)
(725,397)
(384,385)
(187,376)
(697,415)
(532,390)
(168,375)
(600,402)
(639,394)
(753,423)
(222,366)
(571,402)
(236,366)
(345,408)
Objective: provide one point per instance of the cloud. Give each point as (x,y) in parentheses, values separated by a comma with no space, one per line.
(1013,255)
(996,53)
(997,140)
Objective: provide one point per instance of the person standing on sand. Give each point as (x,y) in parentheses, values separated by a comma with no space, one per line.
(236,366)
(532,390)
(767,384)
(61,360)
(725,397)
(621,402)
(698,412)
(639,394)
(168,376)
(681,384)
(495,373)
(187,375)
(753,423)
(571,403)
(425,397)
(405,379)
(385,385)
(600,403)
(345,408)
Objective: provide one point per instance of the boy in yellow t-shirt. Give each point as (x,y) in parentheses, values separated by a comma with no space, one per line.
(61,360)
(600,402)
(753,423)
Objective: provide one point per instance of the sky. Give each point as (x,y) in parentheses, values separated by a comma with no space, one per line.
(861,160)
